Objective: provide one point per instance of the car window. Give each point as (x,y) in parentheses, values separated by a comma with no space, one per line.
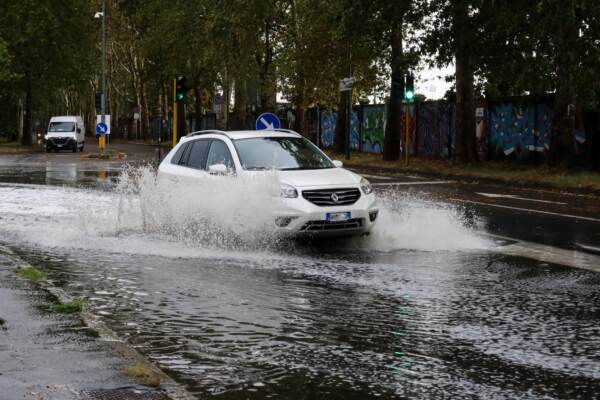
(219,154)
(197,157)
(178,157)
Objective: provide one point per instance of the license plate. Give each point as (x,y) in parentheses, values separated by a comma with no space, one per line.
(338,216)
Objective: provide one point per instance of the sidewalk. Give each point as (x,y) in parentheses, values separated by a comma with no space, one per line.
(507,174)
(46,355)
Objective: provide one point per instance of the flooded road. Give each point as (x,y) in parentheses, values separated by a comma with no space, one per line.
(429,306)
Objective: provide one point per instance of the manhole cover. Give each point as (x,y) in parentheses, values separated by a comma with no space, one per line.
(123,394)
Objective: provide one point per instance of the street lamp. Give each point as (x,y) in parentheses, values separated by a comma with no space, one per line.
(102,14)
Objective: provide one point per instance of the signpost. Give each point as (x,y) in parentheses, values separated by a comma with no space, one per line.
(267,121)
(346,88)
(102,130)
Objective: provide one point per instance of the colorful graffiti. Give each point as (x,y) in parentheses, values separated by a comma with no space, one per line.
(519,129)
(435,129)
(328,121)
(373,129)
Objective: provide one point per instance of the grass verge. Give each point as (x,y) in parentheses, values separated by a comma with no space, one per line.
(144,375)
(32,273)
(72,307)
(504,172)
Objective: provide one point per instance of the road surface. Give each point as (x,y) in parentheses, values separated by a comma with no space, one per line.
(463,291)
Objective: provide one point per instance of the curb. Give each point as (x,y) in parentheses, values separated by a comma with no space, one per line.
(172,389)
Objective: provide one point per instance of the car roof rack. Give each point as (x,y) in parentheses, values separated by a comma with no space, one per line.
(285,131)
(206,132)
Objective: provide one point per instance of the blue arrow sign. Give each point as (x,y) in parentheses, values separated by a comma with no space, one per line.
(267,121)
(101,128)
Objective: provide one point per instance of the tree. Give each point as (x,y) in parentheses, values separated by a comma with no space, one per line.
(49,44)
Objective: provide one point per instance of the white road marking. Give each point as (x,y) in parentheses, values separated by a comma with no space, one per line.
(412,183)
(528,210)
(376,176)
(515,197)
(549,254)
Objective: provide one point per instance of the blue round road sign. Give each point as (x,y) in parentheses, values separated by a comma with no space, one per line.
(267,121)
(101,128)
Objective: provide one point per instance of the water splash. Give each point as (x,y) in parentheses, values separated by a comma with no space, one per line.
(144,214)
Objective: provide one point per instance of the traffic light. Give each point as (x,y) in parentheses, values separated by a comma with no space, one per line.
(409,88)
(180,88)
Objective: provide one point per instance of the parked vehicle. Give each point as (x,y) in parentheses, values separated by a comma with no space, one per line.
(65,132)
(318,196)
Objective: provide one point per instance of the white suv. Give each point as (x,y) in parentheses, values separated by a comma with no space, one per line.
(318,196)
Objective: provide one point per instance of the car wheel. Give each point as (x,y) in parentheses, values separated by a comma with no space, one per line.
(48,149)
(56,150)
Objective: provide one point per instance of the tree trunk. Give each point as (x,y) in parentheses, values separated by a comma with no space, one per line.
(466,133)
(562,140)
(393,128)
(299,121)
(145,115)
(198,105)
(239,107)
(339,141)
(26,138)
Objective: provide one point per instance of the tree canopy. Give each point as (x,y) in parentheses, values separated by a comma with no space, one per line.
(252,51)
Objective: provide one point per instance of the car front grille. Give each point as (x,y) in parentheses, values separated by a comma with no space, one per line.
(319,225)
(332,197)
(59,140)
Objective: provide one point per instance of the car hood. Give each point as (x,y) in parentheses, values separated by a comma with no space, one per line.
(333,177)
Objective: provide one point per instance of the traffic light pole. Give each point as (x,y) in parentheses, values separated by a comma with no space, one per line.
(407,134)
(174,112)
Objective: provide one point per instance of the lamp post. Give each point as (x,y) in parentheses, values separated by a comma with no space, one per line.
(102,15)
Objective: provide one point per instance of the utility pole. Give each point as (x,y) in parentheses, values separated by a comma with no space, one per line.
(103,105)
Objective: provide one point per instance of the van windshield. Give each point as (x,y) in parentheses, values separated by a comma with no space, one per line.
(61,127)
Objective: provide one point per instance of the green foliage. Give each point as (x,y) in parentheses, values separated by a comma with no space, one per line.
(32,273)
(72,307)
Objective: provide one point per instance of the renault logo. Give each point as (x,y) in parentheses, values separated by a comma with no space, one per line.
(335,197)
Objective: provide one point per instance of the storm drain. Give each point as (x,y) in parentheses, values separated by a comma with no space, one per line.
(123,394)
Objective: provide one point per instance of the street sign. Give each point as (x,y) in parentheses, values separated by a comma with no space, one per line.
(346,84)
(106,125)
(101,128)
(267,121)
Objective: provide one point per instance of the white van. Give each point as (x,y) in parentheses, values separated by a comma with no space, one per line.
(65,132)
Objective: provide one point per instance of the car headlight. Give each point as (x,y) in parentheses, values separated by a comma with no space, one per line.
(365,185)
(288,191)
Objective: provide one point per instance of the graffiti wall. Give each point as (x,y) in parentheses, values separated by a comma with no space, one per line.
(511,127)
(435,129)
(516,129)
(328,121)
(373,128)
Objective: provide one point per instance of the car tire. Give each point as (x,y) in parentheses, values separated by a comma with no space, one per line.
(48,149)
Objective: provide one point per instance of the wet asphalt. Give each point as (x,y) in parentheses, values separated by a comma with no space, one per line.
(433,309)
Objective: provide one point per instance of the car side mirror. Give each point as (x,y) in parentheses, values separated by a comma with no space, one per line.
(217,169)
(78,130)
(338,163)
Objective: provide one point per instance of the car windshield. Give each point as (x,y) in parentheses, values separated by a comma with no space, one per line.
(61,127)
(282,153)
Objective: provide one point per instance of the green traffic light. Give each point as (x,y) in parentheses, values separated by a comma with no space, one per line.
(409,95)
(180,96)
